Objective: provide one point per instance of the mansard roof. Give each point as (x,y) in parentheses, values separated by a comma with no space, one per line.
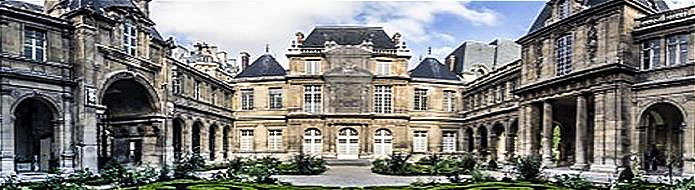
(264,66)
(546,12)
(431,68)
(349,35)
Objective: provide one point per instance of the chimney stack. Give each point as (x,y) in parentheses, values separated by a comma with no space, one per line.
(300,37)
(144,6)
(245,60)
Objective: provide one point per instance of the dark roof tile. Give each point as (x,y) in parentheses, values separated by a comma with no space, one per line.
(345,35)
(433,69)
(266,65)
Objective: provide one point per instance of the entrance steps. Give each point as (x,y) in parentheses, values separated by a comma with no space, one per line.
(348,162)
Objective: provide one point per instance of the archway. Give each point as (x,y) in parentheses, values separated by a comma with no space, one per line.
(34,140)
(212,137)
(512,139)
(483,146)
(225,142)
(195,137)
(383,142)
(128,121)
(470,140)
(661,134)
(178,137)
(313,141)
(499,139)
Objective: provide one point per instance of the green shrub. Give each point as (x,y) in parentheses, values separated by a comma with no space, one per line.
(112,172)
(626,175)
(302,164)
(260,173)
(479,176)
(430,160)
(492,165)
(188,164)
(528,168)
(572,181)
(468,162)
(682,184)
(11,183)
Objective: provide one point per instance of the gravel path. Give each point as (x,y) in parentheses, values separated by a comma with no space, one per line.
(355,176)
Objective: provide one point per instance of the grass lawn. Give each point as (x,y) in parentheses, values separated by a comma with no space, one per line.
(221,185)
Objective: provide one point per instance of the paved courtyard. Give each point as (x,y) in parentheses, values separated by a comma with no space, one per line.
(355,176)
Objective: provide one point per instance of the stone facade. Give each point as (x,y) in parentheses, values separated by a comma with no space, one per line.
(597,86)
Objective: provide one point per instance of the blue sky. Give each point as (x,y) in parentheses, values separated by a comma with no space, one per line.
(237,26)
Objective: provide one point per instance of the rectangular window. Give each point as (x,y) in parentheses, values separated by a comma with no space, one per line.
(503,91)
(312,98)
(651,54)
(226,102)
(275,140)
(383,68)
(35,44)
(130,37)
(449,100)
(177,81)
(677,49)
(247,99)
(563,55)
(382,99)
(466,103)
(312,67)
(213,96)
(420,141)
(246,140)
(449,141)
(197,90)
(134,150)
(275,98)
(420,100)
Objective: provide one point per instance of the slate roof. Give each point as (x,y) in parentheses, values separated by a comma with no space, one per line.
(349,35)
(264,66)
(432,69)
(546,12)
(22,5)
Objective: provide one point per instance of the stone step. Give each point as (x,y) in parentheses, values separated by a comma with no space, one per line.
(344,162)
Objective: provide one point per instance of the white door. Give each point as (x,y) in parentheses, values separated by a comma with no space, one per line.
(382,142)
(45,157)
(348,144)
(313,142)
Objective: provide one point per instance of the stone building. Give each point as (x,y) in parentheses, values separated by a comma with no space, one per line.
(614,78)
(597,85)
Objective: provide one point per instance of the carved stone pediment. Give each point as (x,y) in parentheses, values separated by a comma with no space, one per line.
(348,89)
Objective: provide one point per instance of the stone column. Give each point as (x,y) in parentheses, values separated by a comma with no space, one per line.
(579,152)
(547,141)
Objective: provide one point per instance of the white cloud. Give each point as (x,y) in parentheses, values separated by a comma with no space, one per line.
(248,26)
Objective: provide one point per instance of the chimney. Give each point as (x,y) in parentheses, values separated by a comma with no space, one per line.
(450,62)
(300,37)
(245,60)
(144,6)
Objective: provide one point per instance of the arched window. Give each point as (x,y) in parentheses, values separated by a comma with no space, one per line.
(382,142)
(313,141)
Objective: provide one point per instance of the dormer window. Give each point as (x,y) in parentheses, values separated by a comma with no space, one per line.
(312,67)
(130,40)
(564,9)
(383,68)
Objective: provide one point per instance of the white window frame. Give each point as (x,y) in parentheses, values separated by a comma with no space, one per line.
(313,141)
(130,37)
(564,9)
(197,90)
(312,67)
(383,99)
(275,140)
(275,98)
(383,68)
(312,98)
(419,141)
(651,54)
(213,96)
(563,54)
(449,100)
(246,140)
(420,99)
(35,44)
(449,141)
(383,142)
(177,82)
(246,99)
(677,49)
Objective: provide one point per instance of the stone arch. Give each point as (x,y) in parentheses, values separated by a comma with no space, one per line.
(661,135)
(114,77)
(178,127)
(499,137)
(36,145)
(197,128)
(483,139)
(212,140)
(469,138)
